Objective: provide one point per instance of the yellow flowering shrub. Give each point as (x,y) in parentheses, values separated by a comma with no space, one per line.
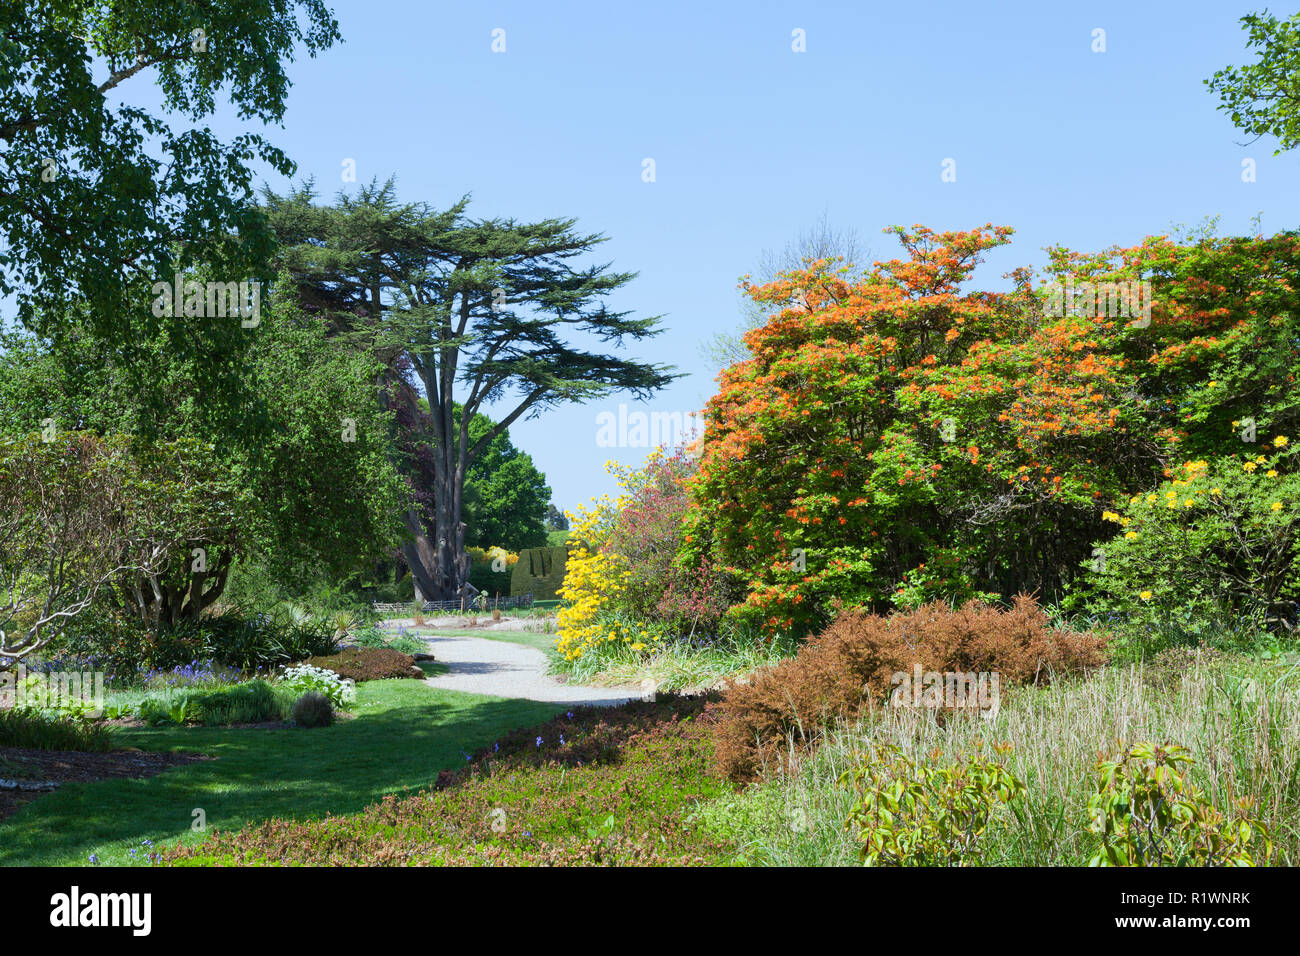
(1216,545)
(490,555)
(592,579)
(602,584)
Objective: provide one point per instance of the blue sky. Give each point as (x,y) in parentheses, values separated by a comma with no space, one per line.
(753,142)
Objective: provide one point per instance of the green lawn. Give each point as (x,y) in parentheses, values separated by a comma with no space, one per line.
(542,642)
(404,733)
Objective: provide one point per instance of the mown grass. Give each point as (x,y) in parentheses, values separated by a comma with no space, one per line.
(404,734)
(592,786)
(1240,719)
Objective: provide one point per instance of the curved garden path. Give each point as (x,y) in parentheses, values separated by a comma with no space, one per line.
(477,665)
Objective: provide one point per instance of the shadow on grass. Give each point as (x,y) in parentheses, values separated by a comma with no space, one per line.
(404,734)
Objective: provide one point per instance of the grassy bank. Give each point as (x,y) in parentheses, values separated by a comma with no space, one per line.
(404,734)
(592,786)
(1239,718)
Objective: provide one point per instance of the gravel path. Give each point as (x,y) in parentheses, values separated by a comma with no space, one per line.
(481,666)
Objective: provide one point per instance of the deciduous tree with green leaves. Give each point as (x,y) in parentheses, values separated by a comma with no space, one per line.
(1263,98)
(99,196)
(298,456)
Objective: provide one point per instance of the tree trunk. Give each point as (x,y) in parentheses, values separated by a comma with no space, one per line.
(420,557)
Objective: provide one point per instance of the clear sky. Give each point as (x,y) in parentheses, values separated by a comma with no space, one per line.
(752,141)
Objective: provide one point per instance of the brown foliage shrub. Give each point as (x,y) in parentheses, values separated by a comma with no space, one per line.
(852,663)
(369,663)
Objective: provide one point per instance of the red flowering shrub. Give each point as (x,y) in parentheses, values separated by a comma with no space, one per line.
(648,529)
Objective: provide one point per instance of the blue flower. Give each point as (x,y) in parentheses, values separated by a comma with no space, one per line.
(539,741)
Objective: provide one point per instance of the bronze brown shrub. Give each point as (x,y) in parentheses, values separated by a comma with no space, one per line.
(852,663)
(369,663)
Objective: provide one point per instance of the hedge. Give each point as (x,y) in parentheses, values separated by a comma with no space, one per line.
(539,571)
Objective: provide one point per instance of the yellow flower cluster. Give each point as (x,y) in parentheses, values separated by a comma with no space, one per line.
(489,555)
(593,579)
(1190,484)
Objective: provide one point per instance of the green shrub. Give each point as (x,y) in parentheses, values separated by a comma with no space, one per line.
(307,677)
(488,581)
(313,709)
(1147,813)
(255,702)
(157,711)
(124,647)
(910,813)
(1212,555)
(41,732)
(370,637)
(374,637)
(540,572)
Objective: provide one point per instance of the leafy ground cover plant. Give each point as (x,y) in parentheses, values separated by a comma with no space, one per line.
(1146,812)
(910,812)
(592,786)
(852,663)
(368,663)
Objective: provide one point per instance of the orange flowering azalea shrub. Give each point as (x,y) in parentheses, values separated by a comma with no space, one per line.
(896,439)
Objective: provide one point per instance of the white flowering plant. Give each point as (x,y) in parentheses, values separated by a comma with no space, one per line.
(304,677)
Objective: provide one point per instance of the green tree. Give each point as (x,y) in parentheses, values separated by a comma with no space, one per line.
(555,519)
(303,457)
(510,494)
(1263,98)
(99,197)
(472,312)
(79,513)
